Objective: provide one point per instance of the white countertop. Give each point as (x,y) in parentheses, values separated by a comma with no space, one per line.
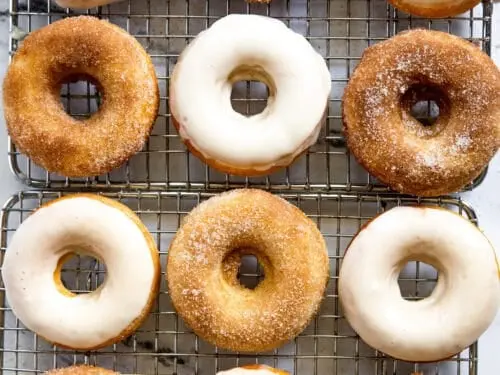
(484,199)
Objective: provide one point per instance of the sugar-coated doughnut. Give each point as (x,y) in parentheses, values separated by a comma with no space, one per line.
(395,147)
(68,50)
(254,370)
(462,305)
(202,270)
(91,225)
(81,370)
(434,8)
(249,47)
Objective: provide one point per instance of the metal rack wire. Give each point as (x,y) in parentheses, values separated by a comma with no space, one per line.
(164,345)
(339,29)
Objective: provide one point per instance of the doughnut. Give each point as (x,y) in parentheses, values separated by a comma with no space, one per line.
(81,224)
(433,8)
(81,370)
(204,288)
(253,370)
(462,305)
(242,47)
(69,50)
(395,147)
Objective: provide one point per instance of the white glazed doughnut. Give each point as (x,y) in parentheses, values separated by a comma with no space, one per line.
(462,305)
(93,225)
(249,47)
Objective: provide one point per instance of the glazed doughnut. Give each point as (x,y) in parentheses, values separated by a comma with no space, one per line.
(249,47)
(69,50)
(81,370)
(208,296)
(84,224)
(253,370)
(434,8)
(462,305)
(395,147)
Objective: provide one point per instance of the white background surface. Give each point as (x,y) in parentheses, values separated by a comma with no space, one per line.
(485,199)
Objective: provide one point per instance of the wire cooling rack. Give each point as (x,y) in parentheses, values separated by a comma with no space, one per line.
(164,345)
(339,29)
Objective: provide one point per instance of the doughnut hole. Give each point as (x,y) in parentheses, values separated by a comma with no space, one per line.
(252,90)
(417,280)
(79,274)
(425,110)
(80,97)
(244,268)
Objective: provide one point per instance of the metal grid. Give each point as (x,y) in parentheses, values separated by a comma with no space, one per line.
(164,345)
(339,29)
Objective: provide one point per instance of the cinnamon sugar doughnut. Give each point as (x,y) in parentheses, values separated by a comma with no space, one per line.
(69,50)
(395,147)
(81,224)
(208,296)
(434,8)
(81,370)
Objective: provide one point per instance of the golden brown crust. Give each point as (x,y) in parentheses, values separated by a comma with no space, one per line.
(395,147)
(434,8)
(264,367)
(81,370)
(67,50)
(291,249)
(154,256)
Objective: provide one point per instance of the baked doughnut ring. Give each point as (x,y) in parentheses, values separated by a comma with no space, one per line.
(68,50)
(81,370)
(395,147)
(434,8)
(462,305)
(253,370)
(253,48)
(83,224)
(287,244)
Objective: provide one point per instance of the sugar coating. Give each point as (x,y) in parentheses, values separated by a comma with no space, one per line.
(394,146)
(203,262)
(434,9)
(81,370)
(80,48)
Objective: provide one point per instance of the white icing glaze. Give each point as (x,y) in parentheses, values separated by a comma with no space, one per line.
(239,47)
(86,320)
(83,4)
(462,305)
